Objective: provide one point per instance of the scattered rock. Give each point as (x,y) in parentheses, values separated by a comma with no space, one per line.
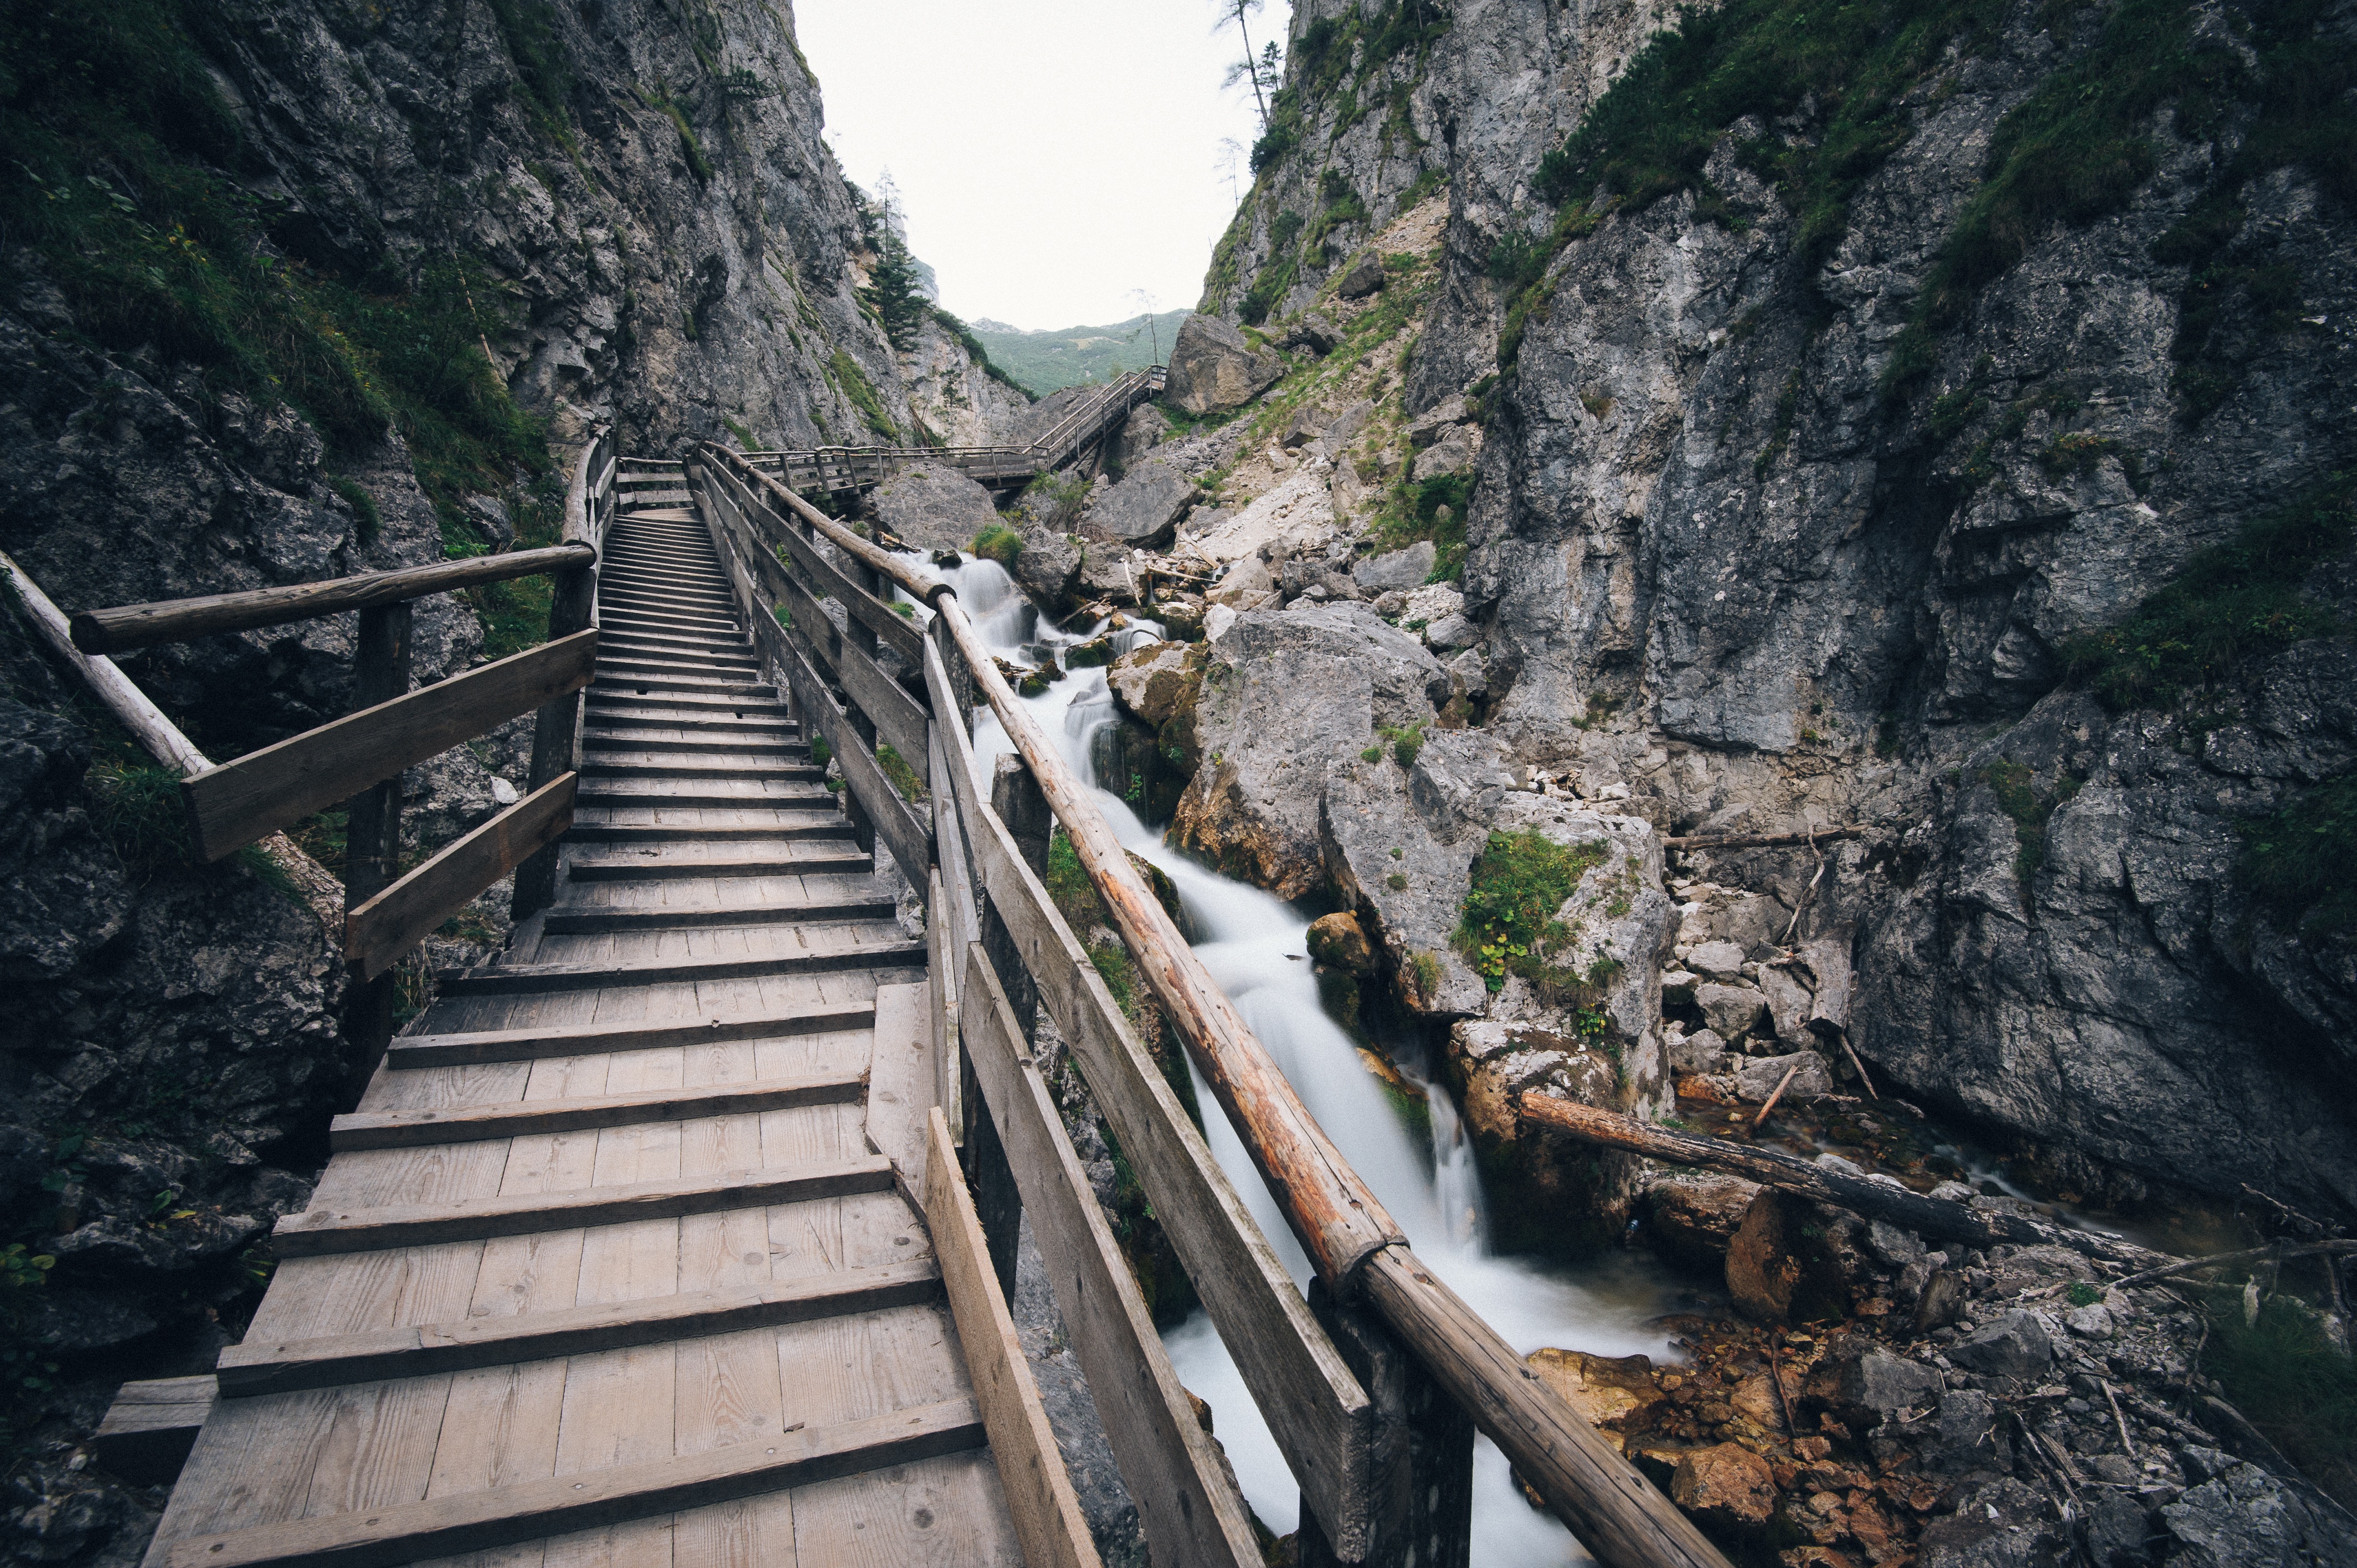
(1143,509)
(1722,961)
(1758,1078)
(1726,1486)
(1212,368)
(1401,569)
(1365,277)
(1338,939)
(1600,1388)
(2015,1346)
(933,506)
(1732,1011)
(1313,332)
(1694,1215)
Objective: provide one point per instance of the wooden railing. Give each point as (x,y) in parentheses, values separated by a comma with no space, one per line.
(358,760)
(835,470)
(1372,1387)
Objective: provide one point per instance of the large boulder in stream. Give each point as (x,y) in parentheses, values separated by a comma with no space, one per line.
(933,507)
(1144,508)
(1285,693)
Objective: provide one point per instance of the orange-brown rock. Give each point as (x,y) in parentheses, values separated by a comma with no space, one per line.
(1791,1258)
(1601,1388)
(1725,1485)
(1338,939)
(1692,1217)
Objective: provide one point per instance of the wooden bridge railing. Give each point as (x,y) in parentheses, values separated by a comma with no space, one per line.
(1373,1385)
(843,469)
(359,758)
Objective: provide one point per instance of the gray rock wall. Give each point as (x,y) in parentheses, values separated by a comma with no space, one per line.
(1716,565)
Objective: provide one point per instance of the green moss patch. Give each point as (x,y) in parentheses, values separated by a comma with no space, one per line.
(2298,860)
(1509,922)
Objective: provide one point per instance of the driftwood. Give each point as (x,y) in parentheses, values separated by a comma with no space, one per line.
(1760,841)
(1930,1217)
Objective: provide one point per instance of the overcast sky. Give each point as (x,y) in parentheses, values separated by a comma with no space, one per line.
(1052,154)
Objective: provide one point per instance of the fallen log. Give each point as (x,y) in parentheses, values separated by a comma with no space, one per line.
(1761,841)
(1932,1218)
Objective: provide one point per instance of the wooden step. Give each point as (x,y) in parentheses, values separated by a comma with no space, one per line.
(319,1232)
(672,868)
(513,980)
(728,746)
(464,1522)
(686,768)
(474,1047)
(564,922)
(526,1118)
(802,795)
(831,825)
(621,682)
(754,725)
(286,1366)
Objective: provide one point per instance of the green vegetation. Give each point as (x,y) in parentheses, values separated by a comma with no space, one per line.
(2290,1381)
(2015,787)
(1000,543)
(2230,602)
(1411,510)
(119,137)
(745,441)
(2298,859)
(690,149)
(544,82)
(1041,362)
(1509,922)
(899,775)
(893,290)
(842,372)
(977,350)
(1406,741)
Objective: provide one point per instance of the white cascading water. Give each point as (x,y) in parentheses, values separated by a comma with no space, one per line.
(1257,947)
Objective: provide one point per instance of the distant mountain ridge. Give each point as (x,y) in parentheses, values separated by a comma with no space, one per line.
(1045,361)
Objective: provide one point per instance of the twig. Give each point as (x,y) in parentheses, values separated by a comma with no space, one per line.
(1850,1051)
(1806,893)
(1776,1376)
(2298,1219)
(2128,1443)
(2219,1260)
(1788,1074)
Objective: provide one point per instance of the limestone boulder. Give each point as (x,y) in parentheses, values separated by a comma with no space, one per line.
(933,507)
(1338,939)
(1289,518)
(1365,277)
(1140,433)
(1692,1217)
(1793,1259)
(1213,367)
(1314,332)
(1048,567)
(1399,569)
(1726,1487)
(1733,1011)
(1142,509)
(2015,1346)
(1759,1077)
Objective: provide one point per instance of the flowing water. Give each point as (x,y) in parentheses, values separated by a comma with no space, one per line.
(1256,948)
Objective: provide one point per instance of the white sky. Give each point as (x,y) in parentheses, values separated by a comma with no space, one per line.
(1052,154)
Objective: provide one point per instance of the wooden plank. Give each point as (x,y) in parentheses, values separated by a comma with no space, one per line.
(128,627)
(267,1366)
(1321,1418)
(541,1044)
(899,719)
(402,1128)
(909,837)
(147,1431)
(1039,1492)
(500,1516)
(494,981)
(317,1231)
(232,805)
(1190,1512)
(385,928)
(894,632)
(901,1083)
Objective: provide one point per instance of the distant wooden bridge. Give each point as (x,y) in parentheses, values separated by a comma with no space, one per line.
(682,1233)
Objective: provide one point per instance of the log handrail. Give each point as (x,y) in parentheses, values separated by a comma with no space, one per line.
(1353,1242)
(125,626)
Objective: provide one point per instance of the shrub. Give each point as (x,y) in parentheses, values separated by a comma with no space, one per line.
(2291,1382)
(2296,860)
(1000,543)
(2231,601)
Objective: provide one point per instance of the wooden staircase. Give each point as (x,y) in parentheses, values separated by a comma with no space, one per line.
(606,1266)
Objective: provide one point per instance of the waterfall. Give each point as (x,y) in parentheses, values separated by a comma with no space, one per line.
(1257,947)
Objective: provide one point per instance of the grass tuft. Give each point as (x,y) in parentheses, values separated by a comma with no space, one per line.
(1000,543)
(1511,922)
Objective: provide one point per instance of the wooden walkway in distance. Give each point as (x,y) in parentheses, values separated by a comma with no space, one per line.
(605,1268)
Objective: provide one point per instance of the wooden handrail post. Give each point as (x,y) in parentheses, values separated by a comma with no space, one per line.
(1423,1479)
(1016,796)
(373,827)
(590,506)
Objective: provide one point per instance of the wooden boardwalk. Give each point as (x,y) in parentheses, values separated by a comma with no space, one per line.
(605,1268)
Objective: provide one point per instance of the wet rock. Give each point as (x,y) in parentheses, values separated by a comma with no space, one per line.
(1212,368)
(1732,1011)
(2015,1346)
(1726,1487)
(1555,1192)
(1757,1078)
(1401,569)
(1792,1260)
(1338,939)
(1700,1052)
(1155,683)
(1600,1388)
(1142,509)
(1692,1217)
(931,506)
(1048,567)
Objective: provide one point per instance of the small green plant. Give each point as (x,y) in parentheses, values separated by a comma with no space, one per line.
(2077,451)
(1406,741)
(2081,1294)
(1424,974)
(821,753)
(2298,860)
(1396,882)
(1000,543)
(2015,787)
(900,774)
(368,520)
(1373,754)
(2291,1382)
(785,617)
(1510,923)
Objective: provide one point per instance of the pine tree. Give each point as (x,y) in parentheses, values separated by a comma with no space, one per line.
(893,290)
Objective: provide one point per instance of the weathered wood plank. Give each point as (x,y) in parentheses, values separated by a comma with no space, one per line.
(908,836)
(316,1232)
(497,982)
(1191,1513)
(400,1129)
(899,719)
(380,930)
(1322,1420)
(541,1043)
(1039,1492)
(235,804)
(147,1431)
(500,1516)
(127,626)
(900,1085)
(267,1366)
(894,632)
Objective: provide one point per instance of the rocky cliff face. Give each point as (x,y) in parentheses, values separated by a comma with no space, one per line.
(1935,428)
(292,289)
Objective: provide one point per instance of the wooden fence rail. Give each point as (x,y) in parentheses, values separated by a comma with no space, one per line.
(986,903)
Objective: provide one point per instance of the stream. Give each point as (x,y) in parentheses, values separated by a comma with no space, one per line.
(1257,947)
